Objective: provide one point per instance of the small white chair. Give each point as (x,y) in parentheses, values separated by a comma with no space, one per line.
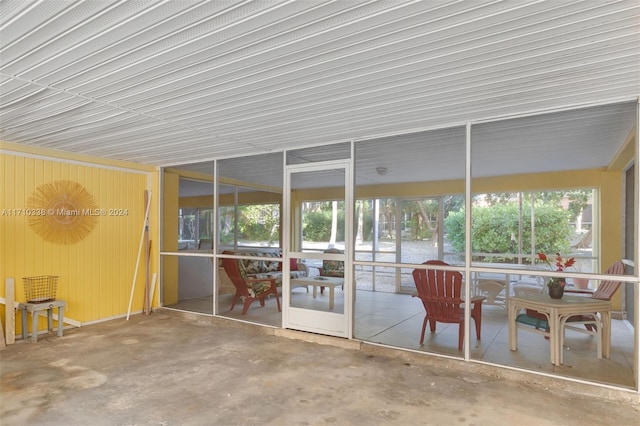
(491,290)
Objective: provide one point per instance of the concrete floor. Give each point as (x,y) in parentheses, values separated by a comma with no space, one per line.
(173,368)
(396,320)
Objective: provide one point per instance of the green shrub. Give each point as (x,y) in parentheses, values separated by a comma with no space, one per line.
(494,229)
(317,225)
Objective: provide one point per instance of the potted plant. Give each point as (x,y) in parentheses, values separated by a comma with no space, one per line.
(556,284)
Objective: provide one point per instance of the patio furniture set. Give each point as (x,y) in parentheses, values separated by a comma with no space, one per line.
(440,292)
(257,279)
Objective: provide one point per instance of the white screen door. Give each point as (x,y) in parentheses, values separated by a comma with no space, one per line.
(318,295)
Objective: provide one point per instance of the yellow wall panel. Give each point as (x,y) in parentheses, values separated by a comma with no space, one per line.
(171,188)
(96,273)
(154,239)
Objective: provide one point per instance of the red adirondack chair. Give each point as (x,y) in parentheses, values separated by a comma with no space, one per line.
(439,292)
(249,290)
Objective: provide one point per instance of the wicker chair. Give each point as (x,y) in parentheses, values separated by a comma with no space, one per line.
(332,268)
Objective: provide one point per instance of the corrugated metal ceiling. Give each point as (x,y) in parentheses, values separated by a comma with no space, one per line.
(174,82)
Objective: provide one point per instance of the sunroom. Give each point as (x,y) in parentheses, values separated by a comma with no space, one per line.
(382,206)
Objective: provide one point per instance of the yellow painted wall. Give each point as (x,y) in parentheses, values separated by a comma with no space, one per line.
(170,223)
(96,273)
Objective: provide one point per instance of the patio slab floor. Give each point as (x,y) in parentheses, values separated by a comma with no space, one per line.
(172,368)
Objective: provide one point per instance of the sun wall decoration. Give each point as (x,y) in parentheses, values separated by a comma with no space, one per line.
(62,212)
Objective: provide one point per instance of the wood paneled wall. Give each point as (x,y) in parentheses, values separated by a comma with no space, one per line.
(96,273)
